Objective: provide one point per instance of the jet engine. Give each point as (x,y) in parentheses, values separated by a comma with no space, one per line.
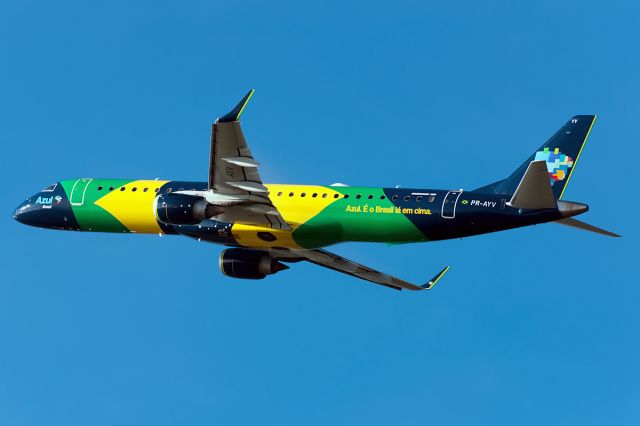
(248,264)
(183,209)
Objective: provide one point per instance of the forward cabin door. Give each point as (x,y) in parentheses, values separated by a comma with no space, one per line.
(449,204)
(78,191)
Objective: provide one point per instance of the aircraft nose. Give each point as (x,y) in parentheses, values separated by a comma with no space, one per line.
(26,213)
(18,214)
(49,208)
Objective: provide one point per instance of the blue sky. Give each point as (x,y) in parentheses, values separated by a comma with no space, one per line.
(531,326)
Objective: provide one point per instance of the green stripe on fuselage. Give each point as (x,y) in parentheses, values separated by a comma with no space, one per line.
(353,219)
(90,216)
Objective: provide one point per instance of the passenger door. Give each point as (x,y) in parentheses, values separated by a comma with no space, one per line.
(449,204)
(78,191)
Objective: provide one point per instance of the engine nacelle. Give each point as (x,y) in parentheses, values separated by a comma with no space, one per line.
(182,209)
(248,264)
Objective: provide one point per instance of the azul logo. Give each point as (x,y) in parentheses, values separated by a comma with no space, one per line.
(44,200)
(58,199)
(558,164)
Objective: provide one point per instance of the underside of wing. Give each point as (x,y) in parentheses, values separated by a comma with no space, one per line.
(234,182)
(349,267)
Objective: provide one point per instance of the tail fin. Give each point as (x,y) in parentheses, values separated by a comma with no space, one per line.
(561,153)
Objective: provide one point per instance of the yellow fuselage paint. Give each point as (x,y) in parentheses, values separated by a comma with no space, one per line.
(295,210)
(134,209)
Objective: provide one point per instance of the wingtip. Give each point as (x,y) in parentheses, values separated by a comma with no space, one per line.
(234,114)
(435,279)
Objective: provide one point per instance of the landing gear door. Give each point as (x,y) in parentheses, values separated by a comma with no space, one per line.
(449,204)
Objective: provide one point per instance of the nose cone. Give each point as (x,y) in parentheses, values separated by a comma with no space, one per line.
(32,214)
(49,208)
(19,213)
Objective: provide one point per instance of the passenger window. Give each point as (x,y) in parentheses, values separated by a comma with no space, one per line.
(314,195)
(303,194)
(370,197)
(291,194)
(169,190)
(157,189)
(134,189)
(382,197)
(407,197)
(346,195)
(145,190)
(431,199)
(419,198)
(324,195)
(100,188)
(111,188)
(395,197)
(122,188)
(336,195)
(280,194)
(358,196)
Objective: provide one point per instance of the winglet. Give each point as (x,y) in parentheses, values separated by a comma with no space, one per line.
(234,115)
(435,279)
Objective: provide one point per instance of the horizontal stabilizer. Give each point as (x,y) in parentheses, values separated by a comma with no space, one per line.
(534,190)
(586,227)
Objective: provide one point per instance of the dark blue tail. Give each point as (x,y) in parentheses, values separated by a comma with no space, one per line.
(561,152)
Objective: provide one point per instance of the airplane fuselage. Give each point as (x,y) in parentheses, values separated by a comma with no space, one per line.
(319,215)
(267,226)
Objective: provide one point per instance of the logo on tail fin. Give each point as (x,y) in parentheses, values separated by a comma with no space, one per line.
(558,164)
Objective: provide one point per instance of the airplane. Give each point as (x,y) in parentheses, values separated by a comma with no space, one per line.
(266,226)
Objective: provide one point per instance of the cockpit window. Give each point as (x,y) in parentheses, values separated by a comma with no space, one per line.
(50,187)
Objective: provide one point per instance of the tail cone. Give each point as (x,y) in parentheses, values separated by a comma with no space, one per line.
(568,208)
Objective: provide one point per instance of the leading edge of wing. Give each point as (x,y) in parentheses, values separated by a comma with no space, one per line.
(234,114)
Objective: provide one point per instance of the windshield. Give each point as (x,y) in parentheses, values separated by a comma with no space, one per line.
(50,187)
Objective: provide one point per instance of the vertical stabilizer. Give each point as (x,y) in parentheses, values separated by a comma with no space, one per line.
(561,154)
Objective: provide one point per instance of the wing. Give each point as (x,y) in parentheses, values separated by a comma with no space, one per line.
(349,267)
(234,177)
